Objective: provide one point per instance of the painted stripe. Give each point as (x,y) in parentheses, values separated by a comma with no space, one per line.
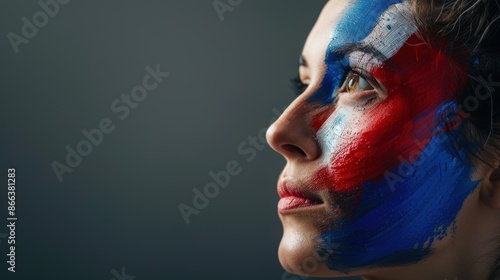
(395,27)
(398,224)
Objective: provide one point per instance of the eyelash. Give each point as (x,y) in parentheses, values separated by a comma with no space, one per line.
(299,87)
(363,74)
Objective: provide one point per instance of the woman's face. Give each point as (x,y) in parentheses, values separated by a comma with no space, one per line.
(374,177)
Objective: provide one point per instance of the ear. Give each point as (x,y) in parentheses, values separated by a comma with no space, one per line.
(491,194)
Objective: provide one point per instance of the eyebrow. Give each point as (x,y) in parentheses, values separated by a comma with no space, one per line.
(359,47)
(348,49)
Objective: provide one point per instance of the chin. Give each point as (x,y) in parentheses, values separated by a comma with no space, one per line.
(297,250)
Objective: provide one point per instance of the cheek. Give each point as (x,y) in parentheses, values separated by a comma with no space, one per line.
(361,146)
(358,145)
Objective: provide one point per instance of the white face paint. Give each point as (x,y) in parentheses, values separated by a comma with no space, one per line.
(395,26)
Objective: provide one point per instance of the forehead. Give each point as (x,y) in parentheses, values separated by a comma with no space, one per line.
(344,22)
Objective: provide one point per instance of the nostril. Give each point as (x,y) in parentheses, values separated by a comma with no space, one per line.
(293,149)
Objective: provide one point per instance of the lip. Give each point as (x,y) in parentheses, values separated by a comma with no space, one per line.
(293,198)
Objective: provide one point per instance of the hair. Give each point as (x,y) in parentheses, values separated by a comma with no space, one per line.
(471,28)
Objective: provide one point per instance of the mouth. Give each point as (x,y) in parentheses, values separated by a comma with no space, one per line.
(296,199)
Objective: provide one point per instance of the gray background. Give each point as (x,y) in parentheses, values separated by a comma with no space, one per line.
(119,207)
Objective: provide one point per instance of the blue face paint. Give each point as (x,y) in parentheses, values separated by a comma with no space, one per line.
(363,15)
(417,208)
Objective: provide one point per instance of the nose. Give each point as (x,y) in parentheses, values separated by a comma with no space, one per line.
(292,134)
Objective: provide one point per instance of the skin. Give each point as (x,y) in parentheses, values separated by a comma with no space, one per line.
(307,135)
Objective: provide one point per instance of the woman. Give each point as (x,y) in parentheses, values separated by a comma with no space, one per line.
(392,148)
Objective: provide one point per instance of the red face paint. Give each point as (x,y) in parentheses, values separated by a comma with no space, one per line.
(419,79)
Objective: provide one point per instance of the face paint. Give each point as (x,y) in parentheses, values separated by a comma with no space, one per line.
(397,160)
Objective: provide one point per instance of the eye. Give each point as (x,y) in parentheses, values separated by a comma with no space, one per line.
(355,82)
(298,86)
(360,89)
